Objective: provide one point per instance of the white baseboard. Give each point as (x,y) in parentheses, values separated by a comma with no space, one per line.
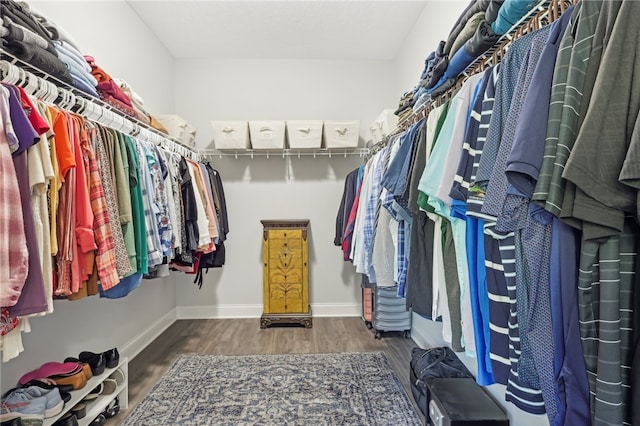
(219,311)
(336,309)
(255,311)
(134,346)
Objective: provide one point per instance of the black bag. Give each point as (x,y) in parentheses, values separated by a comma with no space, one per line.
(433,362)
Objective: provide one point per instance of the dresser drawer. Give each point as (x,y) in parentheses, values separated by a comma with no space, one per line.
(286,299)
(293,243)
(279,277)
(284,233)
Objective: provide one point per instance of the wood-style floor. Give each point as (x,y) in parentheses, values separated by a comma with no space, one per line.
(244,337)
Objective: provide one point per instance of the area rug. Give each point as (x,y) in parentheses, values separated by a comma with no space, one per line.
(295,389)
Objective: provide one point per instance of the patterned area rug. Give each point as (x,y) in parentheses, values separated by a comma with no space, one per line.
(304,389)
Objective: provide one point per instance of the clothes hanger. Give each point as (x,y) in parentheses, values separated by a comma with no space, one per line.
(41,88)
(52,92)
(31,84)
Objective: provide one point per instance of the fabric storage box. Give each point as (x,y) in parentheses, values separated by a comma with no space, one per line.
(175,125)
(267,134)
(304,134)
(341,134)
(189,136)
(384,124)
(230,134)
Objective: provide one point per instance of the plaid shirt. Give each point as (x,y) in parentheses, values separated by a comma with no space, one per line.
(122,257)
(150,210)
(13,244)
(371,213)
(106,256)
(400,262)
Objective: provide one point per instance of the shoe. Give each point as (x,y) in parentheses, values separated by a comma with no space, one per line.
(96,361)
(112,409)
(99,421)
(109,386)
(51,384)
(95,392)
(69,419)
(11,420)
(50,369)
(77,380)
(118,376)
(80,410)
(31,409)
(112,357)
(88,372)
(54,405)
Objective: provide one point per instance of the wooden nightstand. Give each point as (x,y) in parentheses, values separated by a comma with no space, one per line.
(285,256)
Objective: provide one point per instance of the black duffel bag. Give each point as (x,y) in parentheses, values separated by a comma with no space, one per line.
(433,362)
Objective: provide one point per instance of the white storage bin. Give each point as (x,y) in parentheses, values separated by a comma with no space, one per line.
(189,137)
(341,134)
(304,134)
(383,125)
(267,134)
(175,125)
(376,134)
(230,134)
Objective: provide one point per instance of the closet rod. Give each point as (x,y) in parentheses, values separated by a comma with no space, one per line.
(41,84)
(545,10)
(319,152)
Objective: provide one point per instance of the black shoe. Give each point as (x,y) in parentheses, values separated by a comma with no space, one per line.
(112,357)
(12,422)
(68,419)
(96,361)
(99,421)
(112,409)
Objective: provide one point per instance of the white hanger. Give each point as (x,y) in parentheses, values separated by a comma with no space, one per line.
(13,75)
(52,92)
(41,89)
(32,84)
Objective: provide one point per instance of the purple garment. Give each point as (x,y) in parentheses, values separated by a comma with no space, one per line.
(33,299)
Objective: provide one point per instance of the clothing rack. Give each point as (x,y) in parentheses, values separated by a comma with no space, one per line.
(288,152)
(545,12)
(50,89)
(374,149)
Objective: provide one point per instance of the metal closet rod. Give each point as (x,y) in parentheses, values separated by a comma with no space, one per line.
(318,152)
(545,10)
(41,84)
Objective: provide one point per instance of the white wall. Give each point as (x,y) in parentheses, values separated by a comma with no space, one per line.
(433,25)
(122,45)
(276,188)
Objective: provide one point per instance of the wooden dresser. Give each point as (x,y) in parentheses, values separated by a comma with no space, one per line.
(285,255)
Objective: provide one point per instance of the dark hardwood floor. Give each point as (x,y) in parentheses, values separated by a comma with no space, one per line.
(244,337)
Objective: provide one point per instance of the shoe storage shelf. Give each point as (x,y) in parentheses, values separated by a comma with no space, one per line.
(97,405)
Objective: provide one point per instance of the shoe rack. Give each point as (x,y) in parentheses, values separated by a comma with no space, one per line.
(97,405)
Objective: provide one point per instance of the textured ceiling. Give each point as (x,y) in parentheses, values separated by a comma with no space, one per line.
(299,29)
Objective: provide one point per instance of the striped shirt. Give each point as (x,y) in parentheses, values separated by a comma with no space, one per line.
(606,280)
(565,103)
